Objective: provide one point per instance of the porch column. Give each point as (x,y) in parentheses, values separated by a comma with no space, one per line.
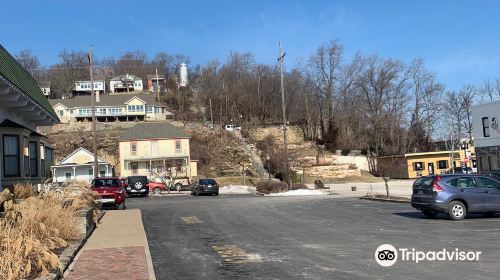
(150,171)
(107,170)
(188,168)
(74,172)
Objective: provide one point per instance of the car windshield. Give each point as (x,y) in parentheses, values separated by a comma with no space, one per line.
(106,183)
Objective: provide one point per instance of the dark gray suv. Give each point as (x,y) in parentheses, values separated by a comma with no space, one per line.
(137,185)
(456,195)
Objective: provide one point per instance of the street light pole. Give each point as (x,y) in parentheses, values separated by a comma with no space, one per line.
(281,56)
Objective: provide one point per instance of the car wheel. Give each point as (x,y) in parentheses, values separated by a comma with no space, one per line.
(489,214)
(216,194)
(197,193)
(430,214)
(178,187)
(122,206)
(127,195)
(156,191)
(457,210)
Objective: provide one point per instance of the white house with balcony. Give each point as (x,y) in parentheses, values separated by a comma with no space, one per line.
(79,165)
(125,83)
(120,107)
(83,87)
(486,130)
(158,148)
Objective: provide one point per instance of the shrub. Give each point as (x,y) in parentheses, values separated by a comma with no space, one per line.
(22,191)
(268,187)
(32,233)
(298,187)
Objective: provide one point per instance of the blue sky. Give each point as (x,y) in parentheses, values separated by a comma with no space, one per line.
(459,40)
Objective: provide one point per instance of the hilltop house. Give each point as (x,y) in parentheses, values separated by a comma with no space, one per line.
(154,81)
(83,87)
(79,165)
(45,87)
(123,107)
(25,154)
(125,83)
(156,148)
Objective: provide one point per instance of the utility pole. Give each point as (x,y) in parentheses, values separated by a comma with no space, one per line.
(94,130)
(281,56)
(157,85)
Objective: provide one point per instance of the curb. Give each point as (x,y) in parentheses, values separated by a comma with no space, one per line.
(69,254)
(386,199)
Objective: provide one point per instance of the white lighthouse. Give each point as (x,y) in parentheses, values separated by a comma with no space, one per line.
(183,75)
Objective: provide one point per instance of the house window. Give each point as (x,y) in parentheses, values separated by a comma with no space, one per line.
(149,109)
(34,159)
(133,149)
(91,172)
(418,166)
(68,177)
(486,127)
(443,164)
(11,156)
(102,173)
(26,157)
(42,160)
(154,148)
(177,146)
(61,113)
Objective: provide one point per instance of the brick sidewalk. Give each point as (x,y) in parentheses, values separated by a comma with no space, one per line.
(117,249)
(111,263)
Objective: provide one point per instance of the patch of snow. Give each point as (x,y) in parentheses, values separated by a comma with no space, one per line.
(236,189)
(301,193)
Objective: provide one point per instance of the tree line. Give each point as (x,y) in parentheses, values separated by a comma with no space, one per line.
(367,102)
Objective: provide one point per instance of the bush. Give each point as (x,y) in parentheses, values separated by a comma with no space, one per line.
(22,191)
(267,187)
(33,232)
(298,187)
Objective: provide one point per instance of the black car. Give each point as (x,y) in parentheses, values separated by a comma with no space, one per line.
(137,185)
(205,186)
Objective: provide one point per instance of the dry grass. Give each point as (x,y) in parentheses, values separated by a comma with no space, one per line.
(22,191)
(36,229)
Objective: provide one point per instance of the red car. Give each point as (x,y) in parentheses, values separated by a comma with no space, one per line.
(110,190)
(156,188)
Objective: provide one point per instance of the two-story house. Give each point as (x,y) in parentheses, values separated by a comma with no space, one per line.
(25,155)
(486,130)
(159,148)
(125,83)
(123,107)
(154,81)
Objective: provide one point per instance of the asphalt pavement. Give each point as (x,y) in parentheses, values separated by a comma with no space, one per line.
(314,237)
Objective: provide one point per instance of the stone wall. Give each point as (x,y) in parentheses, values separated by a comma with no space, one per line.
(295,134)
(332,171)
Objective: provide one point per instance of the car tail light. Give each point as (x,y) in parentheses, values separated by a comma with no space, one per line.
(435,186)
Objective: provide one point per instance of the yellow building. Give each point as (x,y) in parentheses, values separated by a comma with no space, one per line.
(152,149)
(414,165)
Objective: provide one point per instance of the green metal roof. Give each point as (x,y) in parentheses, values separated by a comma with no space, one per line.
(16,74)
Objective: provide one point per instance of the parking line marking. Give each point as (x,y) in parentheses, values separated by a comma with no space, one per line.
(191,220)
(491,229)
(233,254)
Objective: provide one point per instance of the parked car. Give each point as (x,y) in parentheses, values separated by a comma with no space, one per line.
(137,185)
(156,187)
(205,186)
(456,195)
(110,190)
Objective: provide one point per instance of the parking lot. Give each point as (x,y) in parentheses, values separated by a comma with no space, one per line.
(321,237)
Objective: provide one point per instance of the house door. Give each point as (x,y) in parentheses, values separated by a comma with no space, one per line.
(430,167)
(134,166)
